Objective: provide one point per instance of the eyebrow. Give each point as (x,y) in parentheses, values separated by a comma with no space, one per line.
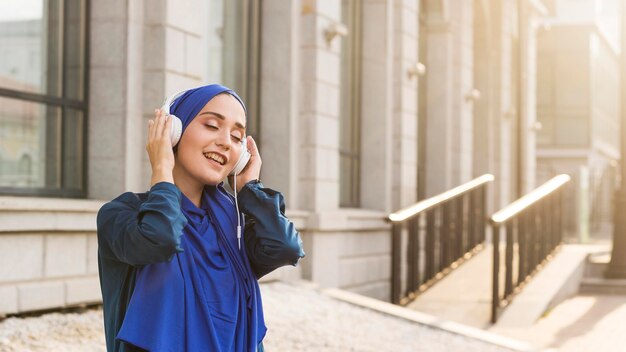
(221,117)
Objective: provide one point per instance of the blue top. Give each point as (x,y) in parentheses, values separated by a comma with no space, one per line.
(172,277)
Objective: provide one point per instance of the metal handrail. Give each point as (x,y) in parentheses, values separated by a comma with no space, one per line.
(436,235)
(533,230)
(415,209)
(531,198)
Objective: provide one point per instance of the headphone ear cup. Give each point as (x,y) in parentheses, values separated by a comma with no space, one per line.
(177,129)
(242,161)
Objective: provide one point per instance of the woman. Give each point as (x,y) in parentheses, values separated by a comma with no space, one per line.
(174,276)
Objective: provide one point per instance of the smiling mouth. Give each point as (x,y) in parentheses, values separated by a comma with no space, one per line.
(215,157)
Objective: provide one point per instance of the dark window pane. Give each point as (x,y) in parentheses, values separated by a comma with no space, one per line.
(73,149)
(30,46)
(30,151)
(74,49)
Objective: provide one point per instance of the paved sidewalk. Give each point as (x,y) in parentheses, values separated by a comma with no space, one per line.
(299,318)
(580,324)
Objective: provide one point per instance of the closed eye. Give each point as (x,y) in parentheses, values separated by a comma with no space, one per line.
(237,139)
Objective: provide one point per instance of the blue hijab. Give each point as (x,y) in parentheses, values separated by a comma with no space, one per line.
(207,297)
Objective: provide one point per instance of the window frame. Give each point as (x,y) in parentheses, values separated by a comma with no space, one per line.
(63,104)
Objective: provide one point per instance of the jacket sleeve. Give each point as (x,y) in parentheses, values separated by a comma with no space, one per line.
(142,233)
(271,239)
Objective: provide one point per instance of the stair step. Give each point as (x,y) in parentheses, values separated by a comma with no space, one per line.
(603,286)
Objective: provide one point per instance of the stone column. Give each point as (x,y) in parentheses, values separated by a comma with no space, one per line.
(115,98)
(318,178)
(439,111)
(281,135)
(404,172)
(377,106)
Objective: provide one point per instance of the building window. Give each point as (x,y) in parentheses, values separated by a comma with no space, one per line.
(43,104)
(234,52)
(350,102)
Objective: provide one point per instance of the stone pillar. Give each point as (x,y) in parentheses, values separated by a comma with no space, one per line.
(377,106)
(115,98)
(318,179)
(404,173)
(281,135)
(439,102)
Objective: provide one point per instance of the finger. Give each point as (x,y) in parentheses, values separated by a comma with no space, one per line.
(152,125)
(160,123)
(167,128)
(251,145)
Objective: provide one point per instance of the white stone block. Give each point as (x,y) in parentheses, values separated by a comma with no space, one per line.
(110,171)
(154,93)
(326,131)
(328,67)
(41,295)
(329,8)
(8,300)
(21,257)
(309,34)
(108,10)
(65,255)
(92,254)
(189,15)
(176,82)
(174,46)
(154,11)
(328,164)
(327,99)
(154,47)
(362,270)
(108,43)
(83,290)
(107,95)
(193,61)
(366,243)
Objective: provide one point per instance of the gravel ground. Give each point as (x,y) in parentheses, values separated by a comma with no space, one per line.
(298,319)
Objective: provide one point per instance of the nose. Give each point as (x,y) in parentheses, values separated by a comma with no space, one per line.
(223,140)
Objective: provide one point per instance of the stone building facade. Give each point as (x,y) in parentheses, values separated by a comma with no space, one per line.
(360,108)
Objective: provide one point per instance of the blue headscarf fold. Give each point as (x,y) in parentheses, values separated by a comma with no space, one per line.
(207,297)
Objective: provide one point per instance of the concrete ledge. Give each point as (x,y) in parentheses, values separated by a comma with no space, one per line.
(429,320)
(559,280)
(18,214)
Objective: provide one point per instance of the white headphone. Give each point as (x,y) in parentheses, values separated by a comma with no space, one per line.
(177,131)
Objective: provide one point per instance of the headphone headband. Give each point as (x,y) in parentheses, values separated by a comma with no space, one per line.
(169,100)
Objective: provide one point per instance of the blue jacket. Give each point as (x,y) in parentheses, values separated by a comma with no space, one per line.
(144,228)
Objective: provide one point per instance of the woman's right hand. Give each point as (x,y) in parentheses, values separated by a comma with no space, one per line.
(159,148)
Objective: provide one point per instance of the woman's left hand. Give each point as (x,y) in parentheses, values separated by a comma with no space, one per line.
(252,171)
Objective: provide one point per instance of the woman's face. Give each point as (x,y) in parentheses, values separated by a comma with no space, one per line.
(211,143)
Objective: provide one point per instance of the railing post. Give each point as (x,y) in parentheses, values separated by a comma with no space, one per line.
(413,255)
(444,237)
(522,243)
(459,243)
(472,213)
(430,245)
(396,248)
(483,213)
(495,293)
(508,259)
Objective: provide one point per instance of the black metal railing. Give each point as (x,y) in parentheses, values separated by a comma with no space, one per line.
(436,235)
(533,229)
